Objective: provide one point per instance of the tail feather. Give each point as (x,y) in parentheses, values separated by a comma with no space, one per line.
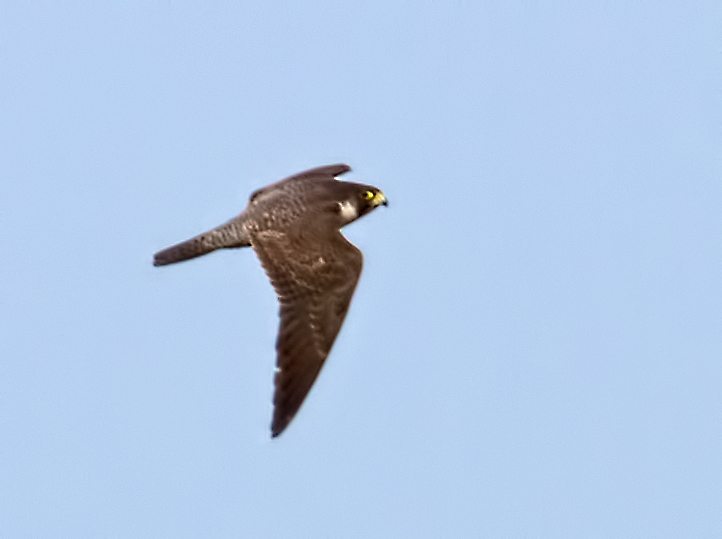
(228,235)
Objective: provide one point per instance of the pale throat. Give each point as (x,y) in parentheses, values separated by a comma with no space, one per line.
(348,211)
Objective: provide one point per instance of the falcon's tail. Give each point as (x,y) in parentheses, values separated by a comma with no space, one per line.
(229,235)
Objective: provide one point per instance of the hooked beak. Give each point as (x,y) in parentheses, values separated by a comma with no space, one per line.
(380,200)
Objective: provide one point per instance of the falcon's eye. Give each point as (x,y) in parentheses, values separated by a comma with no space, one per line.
(368,195)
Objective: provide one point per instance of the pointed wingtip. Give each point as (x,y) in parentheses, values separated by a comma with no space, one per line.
(280,423)
(331,171)
(344,168)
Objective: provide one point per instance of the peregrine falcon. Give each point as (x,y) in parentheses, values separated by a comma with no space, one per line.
(294,227)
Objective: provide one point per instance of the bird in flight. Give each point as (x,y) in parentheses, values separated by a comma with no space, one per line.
(294,227)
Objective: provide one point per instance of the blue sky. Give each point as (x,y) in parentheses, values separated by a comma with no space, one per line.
(534,347)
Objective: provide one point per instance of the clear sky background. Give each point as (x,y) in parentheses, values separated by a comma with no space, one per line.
(535,346)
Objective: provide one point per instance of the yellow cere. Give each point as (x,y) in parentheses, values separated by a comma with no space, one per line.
(379,198)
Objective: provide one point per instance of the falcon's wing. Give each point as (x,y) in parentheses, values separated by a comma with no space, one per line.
(328,172)
(314,279)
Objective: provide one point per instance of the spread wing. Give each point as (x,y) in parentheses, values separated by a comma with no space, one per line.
(328,172)
(314,278)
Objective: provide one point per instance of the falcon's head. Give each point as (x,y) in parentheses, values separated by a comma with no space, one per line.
(360,200)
